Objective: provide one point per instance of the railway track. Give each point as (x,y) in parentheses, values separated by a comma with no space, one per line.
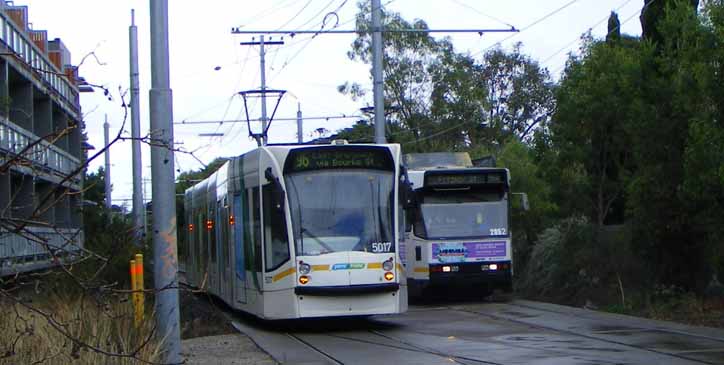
(352,342)
(599,337)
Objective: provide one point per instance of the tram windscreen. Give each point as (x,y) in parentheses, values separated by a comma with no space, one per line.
(341,210)
(464,214)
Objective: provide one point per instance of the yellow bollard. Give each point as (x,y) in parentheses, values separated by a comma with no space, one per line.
(138,297)
(133,284)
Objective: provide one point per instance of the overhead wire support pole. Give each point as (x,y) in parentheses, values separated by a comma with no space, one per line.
(138,208)
(300,133)
(107,172)
(262,55)
(376,30)
(165,256)
(377,77)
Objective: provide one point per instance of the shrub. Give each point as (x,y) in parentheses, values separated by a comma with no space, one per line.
(61,330)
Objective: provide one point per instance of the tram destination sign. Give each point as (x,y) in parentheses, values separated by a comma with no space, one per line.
(342,157)
(444,179)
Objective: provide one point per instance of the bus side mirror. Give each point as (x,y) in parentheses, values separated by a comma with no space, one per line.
(278,192)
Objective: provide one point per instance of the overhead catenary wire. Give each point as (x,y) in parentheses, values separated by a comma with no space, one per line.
(643,9)
(548,58)
(621,24)
(465,5)
(527,27)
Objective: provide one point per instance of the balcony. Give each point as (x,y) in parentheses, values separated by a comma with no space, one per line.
(20,254)
(45,156)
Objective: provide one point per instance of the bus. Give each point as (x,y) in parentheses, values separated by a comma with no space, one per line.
(459,235)
(300,231)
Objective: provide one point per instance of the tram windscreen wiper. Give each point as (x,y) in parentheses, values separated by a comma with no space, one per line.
(312,236)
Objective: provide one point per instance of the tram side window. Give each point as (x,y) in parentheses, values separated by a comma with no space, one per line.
(256,208)
(275,228)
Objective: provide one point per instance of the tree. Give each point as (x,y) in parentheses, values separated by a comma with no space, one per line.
(599,96)
(519,95)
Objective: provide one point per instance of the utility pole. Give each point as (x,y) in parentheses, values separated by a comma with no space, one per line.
(138,207)
(300,136)
(107,172)
(262,56)
(377,78)
(165,256)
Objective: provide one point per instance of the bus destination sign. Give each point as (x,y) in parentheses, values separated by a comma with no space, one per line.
(464,179)
(349,157)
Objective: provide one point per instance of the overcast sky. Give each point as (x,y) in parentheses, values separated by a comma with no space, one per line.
(208,66)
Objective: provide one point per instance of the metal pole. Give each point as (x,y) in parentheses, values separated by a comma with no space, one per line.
(300,136)
(165,262)
(138,221)
(107,176)
(377,78)
(263,90)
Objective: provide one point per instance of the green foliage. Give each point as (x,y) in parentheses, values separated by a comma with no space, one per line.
(111,237)
(555,267)
(599,96)
(95,187)
(525,177)
(446,101)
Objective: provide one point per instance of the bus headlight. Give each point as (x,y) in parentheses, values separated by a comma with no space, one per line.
(303,279)
(389,276)
(388,265)
(493,267)
(304,269)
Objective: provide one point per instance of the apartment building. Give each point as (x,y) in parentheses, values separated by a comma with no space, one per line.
(41,147)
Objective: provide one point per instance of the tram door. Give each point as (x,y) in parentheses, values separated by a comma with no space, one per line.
(222,236)
(238,233)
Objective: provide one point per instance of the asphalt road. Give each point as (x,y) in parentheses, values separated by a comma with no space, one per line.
(515,332)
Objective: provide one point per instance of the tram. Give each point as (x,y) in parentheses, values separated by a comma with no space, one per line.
(459,235)
(300,231)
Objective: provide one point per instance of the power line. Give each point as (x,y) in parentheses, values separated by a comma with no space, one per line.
(589,28)
(536,22)
(296,15)
(275,119)
(621,24)
(459,2)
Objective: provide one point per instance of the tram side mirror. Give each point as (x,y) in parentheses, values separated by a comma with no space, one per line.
(523,201)
(408,220)
(407,195)
(277,191)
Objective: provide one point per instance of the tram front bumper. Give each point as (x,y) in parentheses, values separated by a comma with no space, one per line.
(465,275)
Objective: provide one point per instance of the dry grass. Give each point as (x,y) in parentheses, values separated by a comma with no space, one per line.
(62,330)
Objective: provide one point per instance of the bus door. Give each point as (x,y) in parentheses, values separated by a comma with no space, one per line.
(239,243)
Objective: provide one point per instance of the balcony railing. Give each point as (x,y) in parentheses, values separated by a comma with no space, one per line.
(20,254)
(13,139)
(20,43)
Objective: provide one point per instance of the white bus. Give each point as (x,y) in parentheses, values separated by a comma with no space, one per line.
(300,231)
(460,233)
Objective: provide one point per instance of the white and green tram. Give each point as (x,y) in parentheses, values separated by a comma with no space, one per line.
(300,231)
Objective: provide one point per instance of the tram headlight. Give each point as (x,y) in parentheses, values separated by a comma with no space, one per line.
(389,276)
(304,269)
(388,265)
(493,267)
(303,279)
